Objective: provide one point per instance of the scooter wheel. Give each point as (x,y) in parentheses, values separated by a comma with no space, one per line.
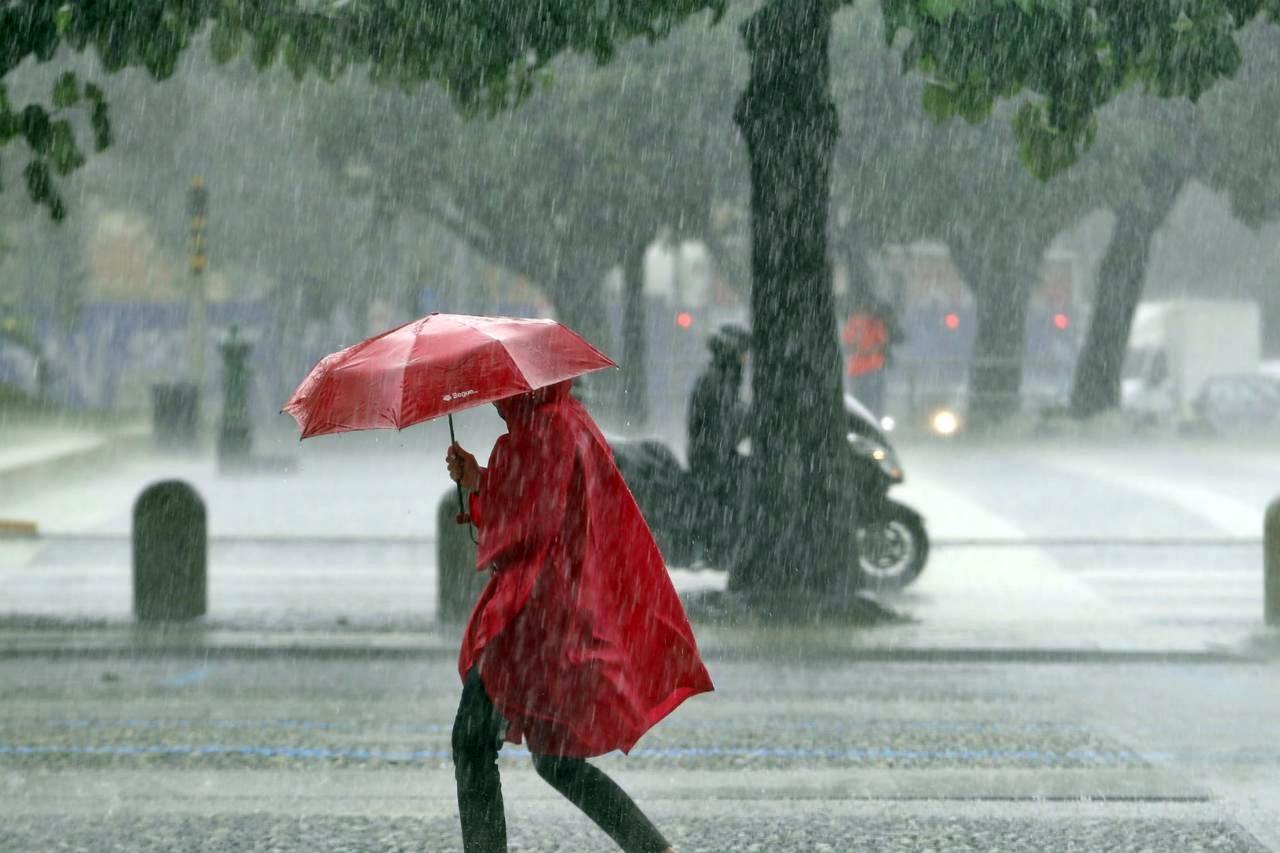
(892,550)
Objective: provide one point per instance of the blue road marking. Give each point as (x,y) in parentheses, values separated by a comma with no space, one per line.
(187,679)
(1039,757)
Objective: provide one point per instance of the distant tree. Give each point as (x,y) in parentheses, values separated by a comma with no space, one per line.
(578,178)
(1140,163)
(1143,161)
(901,178)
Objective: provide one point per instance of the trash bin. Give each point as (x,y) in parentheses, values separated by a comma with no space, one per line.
(175,407)
(235,439)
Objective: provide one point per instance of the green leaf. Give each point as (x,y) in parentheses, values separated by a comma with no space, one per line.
(37,128)
(895,15)
(973,105)
(98,117)
(939,102)
(39,184)
(1046,151)
(66,92)
(1039,7)
(66,154)
(295,59)
(9,124)
(41,190)
(912,54)
(224,42)
(940,10)
(62,18)
(161,59)
(265,48)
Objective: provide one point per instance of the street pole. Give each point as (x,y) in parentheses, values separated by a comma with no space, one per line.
(197,331)
(1271,564)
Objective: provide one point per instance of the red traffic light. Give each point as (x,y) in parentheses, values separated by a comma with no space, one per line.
(952,321)
(1061,321)
(684,320)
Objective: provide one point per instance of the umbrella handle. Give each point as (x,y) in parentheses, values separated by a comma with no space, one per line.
(463,517)
(461,509)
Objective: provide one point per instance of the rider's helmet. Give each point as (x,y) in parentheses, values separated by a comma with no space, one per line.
(730,342)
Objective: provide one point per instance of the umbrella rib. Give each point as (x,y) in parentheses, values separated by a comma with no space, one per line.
(408,359)
(404,368)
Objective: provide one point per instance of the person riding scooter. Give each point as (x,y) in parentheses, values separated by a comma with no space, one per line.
(717,423)
(694,517)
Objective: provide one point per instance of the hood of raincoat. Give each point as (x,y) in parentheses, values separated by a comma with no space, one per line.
(580,638)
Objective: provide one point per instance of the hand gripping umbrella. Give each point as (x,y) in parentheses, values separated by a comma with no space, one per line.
(437,365)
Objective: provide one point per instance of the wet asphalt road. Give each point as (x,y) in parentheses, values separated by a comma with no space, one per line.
(174,753)
(179,752)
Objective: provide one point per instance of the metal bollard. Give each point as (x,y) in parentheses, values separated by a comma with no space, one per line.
(170,553)
(1271,563)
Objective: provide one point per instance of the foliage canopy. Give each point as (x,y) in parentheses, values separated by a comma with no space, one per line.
(1068,57)
(1061,59)
(488,54)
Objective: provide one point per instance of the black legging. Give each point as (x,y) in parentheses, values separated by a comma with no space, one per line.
(477,737)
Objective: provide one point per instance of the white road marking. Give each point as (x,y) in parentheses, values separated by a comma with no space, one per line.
(1231,515)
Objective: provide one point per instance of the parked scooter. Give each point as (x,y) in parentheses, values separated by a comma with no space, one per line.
(892,542)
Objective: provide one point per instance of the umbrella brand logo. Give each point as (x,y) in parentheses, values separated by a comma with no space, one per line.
(459,395)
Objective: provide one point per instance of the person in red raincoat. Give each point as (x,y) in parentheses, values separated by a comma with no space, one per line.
(578,644)
(869,336)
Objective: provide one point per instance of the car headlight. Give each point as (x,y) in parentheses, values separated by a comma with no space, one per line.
(944,422)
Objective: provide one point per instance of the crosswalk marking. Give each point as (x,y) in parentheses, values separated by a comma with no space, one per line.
(1124,580)
(1230,515)
(953,514)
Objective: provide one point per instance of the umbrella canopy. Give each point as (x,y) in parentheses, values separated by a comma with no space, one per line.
(437,365)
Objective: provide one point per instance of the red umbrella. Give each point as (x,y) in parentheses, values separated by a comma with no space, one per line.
(437,365)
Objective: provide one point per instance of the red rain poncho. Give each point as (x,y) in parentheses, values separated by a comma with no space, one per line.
(580,638)
(867,336)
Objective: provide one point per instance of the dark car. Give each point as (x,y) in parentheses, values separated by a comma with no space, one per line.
(1238,403)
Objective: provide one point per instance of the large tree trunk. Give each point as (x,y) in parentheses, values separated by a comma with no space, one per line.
(1000,301)
(799,531)
(1000,270)
(582,309)
(1121,274)
(995,377)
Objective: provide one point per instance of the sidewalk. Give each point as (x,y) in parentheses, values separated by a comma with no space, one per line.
(970,604)
(35,447)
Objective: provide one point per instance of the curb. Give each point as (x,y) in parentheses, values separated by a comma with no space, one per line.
(374,651)
(54,640)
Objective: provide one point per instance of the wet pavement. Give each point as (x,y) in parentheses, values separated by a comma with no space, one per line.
(1113,691)
(176,752)
(796,829)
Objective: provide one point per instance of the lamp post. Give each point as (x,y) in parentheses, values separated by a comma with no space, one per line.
(197,248)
